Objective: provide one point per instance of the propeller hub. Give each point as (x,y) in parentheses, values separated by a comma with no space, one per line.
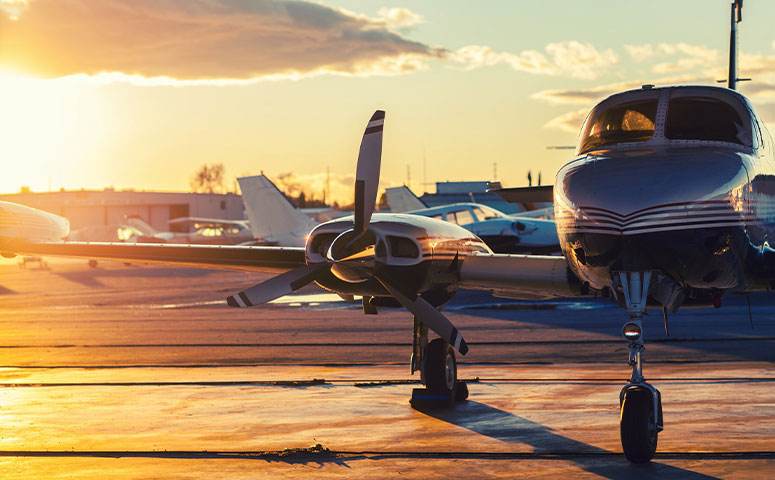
(352,256)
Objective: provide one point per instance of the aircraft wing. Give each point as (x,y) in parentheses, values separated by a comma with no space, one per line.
(210,222)
(527,277)
(221,257)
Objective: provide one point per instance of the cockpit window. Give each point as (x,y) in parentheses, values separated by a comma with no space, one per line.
(485,213)
(703,118)
(625,122)
(462,217)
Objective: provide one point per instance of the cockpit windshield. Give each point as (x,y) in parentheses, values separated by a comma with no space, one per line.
(626,122)
(704,118)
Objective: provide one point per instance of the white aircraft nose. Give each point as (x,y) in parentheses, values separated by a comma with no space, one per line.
(642,192)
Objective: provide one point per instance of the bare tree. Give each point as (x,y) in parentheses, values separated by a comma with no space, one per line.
(289,184)
(209,178)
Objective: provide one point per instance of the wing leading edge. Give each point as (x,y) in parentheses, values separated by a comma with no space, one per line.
(221,257)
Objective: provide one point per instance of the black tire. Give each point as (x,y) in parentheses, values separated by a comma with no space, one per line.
(461,391)
(639,435)
(440,367)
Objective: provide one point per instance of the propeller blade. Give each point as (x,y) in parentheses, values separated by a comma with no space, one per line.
(431,317)
(367,173)
(277,286)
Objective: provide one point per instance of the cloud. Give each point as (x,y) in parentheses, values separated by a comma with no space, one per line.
(206,40)
(12,8)
(640,52)
(589,96)
(568,122)
(694,56)
(583,96)
(573,59)
(400,18)
(766,111)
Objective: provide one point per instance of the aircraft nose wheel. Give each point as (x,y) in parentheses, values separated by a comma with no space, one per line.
(640,418)
(440,367)
(638,425)
(440,377)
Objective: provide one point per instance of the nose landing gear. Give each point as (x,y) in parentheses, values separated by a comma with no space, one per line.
(438,372)
(640,403)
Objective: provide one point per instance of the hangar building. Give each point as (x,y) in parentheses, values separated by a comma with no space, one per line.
(88,208)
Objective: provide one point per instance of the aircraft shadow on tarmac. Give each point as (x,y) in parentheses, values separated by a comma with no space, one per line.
(91,277)
(507,427)
(721,335)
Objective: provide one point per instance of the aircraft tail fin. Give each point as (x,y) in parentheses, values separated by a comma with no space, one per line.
(273,218)
(401,199)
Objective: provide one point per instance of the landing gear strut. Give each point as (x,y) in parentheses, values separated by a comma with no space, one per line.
(640,419)
(438,371)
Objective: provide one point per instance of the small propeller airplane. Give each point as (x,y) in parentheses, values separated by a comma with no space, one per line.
(274,220)
(667,203)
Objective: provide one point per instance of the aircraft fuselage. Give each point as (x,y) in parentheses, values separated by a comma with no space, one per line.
(693,199)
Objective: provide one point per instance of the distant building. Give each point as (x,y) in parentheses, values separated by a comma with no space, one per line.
(456,192)
(88,208)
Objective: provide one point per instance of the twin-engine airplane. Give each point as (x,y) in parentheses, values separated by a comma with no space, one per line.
(668,202)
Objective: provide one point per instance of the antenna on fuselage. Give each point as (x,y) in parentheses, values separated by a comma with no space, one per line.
(736,17)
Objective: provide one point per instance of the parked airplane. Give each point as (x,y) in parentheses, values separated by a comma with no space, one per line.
(402,199)
(134,229)
(668,202)
(502,233)
(213,231)
(275,220)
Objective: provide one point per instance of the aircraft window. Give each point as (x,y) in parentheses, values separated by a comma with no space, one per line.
(627,122)
(211,232)
(702,118)
(403,247)
(485,214)
(464,217)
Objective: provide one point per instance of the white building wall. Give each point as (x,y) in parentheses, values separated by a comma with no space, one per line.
(87,208)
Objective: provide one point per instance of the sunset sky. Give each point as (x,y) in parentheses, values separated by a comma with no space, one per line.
(140,93)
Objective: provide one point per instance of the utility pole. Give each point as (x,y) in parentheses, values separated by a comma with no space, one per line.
(424,168)
(408,177)
(494,171)
(327,191)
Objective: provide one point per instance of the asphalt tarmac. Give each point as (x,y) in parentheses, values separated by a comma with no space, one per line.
(144,372)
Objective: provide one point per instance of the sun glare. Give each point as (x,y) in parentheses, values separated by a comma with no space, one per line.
(43,121)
